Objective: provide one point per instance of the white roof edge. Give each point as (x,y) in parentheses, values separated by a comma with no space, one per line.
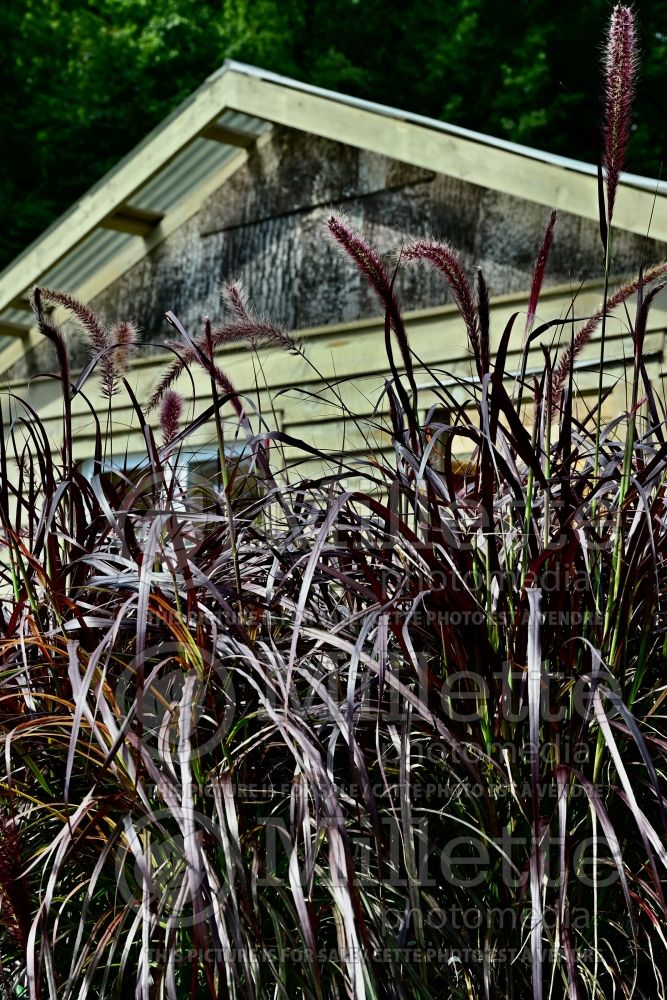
(568,163)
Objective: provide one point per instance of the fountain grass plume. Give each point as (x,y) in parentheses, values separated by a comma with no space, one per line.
(247,327)
(540,268)
(620,73)
(235,297)
(124,339)
(446,260)
(170,415)
(369,264)
(186,357)
(575,347)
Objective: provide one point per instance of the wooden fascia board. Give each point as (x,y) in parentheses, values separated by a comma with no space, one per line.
(10,329)
(502,170)
(228,135)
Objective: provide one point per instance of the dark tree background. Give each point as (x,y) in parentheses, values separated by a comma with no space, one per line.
(83,80)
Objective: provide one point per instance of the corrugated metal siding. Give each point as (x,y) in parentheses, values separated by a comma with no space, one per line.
(198,161)
(194,164)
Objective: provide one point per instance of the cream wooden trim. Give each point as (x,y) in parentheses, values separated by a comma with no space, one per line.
(8,329)
(497,169)
(130,219)
(228,136)
(18,348)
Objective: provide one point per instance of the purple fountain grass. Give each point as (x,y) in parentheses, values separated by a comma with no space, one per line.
(484,314)
(620,72)
(121,343)
(255,331)
(52,332)
(443,257)
(235,296)
(55,335)
(221,379)
(97,333)
(278,601)
(124,338)
(248,328)
(352,674)
(369,264)
(574,348)
(170,415)
(14,889)
(114,346)
(539,270)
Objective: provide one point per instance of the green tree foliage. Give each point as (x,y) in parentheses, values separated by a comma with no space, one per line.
(83,80)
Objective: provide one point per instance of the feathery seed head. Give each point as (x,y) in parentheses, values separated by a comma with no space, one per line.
(620,71)
(235,297)
(369,264)
(170,414)
(124,338)
(539,269)
(445,259)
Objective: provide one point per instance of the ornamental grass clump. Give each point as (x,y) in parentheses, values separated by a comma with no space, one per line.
(396,739)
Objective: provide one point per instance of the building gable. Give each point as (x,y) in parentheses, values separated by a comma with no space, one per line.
(178,172)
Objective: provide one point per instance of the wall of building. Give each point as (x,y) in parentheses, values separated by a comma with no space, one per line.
(266,225)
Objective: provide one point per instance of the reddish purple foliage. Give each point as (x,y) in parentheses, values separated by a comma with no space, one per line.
(539,269)
(483,311)
(14,888)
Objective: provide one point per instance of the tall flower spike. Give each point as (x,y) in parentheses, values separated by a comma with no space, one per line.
(371,267)
(539,269)
(620,71)
(170,415)
(447,261)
